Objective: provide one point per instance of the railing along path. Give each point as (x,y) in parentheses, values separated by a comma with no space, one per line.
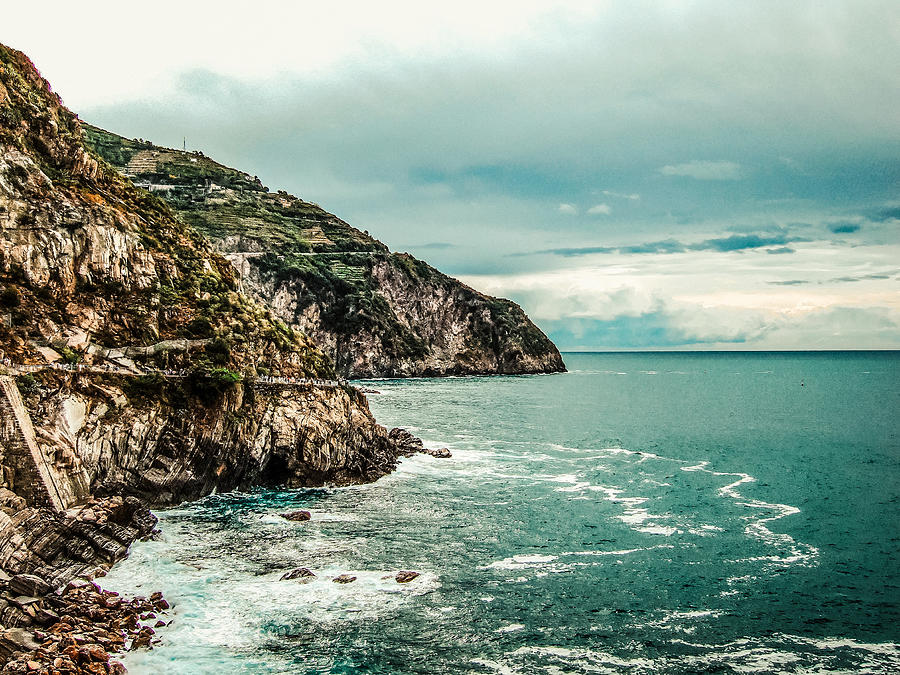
(106,369)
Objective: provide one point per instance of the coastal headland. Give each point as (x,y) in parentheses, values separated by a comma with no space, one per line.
(147,361)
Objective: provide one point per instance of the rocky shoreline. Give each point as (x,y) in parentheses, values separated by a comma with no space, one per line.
(55,619)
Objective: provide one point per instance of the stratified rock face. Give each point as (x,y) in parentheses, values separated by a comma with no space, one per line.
(41,550)
(375,313)
(152,447)
(92,268)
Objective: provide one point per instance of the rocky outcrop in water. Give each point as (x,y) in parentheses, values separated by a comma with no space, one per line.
(91,626)
(50,623)
(408,445)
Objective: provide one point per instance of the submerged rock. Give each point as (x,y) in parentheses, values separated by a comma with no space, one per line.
(297,516)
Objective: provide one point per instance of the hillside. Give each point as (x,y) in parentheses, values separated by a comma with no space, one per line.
(97,272)
(374,312)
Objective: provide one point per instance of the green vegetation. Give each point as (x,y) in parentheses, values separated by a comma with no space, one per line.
(27,384)
(292,243)
(70,355)
(193,291)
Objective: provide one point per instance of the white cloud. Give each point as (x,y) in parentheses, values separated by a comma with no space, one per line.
(704,170)
(701,300)
(569,209)
(600,210)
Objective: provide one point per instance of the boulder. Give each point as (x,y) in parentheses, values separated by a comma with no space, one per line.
(28,584)
(405,443)
(440,453)
(344,579)
(405,576)
(299,573)
(16,640)
(297,516)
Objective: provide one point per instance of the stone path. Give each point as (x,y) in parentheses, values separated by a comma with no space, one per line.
(21,368)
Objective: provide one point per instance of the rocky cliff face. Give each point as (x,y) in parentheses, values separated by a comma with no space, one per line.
(375,313)
(149,439)
(95,271)
(98,273)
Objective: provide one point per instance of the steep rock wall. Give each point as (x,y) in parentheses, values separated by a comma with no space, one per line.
(375,313)
(91,265)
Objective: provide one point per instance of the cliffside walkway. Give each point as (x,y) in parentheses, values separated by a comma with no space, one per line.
(22,369)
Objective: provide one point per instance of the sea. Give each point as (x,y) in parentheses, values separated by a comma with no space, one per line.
(641,513)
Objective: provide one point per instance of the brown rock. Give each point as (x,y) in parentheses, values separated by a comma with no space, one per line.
(141,640)
(297,516)
(28,584)
(299,573)
(344,579)
(405,576)
(440,453)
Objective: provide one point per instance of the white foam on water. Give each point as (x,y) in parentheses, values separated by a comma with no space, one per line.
(798,552)
(659,529)
(511,628)
(496,666)
(745,655)
(626,551)
(577,487)
(518,562)
(683,621)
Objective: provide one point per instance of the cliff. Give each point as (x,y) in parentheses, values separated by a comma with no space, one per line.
(375,313)
(97,272)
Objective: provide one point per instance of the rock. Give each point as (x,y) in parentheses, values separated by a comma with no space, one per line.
(344,579)
(404,577)
(405,443)
(28,584)
(97,654)
(440,453)
(16,640)
(10,502)
(299,573)
(297,516)
(142,640)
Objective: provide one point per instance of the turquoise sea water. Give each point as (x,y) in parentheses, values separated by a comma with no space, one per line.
(643,513)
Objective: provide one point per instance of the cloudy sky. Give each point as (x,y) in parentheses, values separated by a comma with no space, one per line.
(638,175)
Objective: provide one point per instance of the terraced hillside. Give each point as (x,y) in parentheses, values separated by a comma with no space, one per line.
(376,313)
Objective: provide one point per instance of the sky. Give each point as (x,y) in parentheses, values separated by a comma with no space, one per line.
(637,175)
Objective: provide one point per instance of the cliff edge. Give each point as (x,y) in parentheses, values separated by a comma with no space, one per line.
(98,274)
(374,312)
